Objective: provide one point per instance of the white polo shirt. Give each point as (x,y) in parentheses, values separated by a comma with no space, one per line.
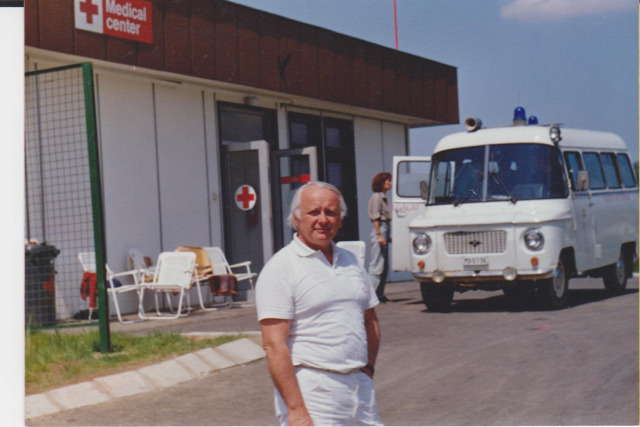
(324,302)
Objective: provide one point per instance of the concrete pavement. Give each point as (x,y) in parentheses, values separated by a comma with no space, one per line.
(239,320)
(146,379)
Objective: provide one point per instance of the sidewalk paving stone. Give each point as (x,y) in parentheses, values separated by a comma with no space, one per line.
(195,364)
(125,384)
(242,351)
(215,358)
(166,374)
(36,405)
(77,395)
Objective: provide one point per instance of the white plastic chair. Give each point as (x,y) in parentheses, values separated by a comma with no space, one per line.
(138,261)
(221,265)
(88,262)
(174,272)
(204,271)
(357,247)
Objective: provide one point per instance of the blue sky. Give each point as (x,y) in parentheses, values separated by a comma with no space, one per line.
(569,61)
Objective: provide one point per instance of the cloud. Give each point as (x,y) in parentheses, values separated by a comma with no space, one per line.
(553,10)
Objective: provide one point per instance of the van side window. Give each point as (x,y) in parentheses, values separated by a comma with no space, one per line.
(626,172)
(592,165)
(409,175)
(610,172)
(574,164)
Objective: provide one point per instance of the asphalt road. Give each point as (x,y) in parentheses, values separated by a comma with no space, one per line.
(484,363)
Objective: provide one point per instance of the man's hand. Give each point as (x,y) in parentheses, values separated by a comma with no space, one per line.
(300,418)
(367,371)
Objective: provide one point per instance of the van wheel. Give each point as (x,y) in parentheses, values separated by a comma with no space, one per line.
(554,290)
(615,276)
(437,297)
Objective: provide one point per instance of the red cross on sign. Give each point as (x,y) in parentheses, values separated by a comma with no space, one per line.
(246,197)
(90,9)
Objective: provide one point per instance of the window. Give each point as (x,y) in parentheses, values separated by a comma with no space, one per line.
(574,164)
(513,172)
(626,172)
(592,165)
(408,176)
(610,172)
(243,124)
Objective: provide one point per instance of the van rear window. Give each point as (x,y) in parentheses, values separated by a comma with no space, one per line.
(592,165)
(610,172)
(626,172)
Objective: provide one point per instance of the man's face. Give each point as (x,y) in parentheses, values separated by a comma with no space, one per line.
(319,220)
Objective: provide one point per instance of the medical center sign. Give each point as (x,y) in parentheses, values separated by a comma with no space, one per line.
(128,19)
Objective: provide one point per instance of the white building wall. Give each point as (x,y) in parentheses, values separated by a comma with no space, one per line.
(159,161)
(129,173)
(129,167)
(182,164)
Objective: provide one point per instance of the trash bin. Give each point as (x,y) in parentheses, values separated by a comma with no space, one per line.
(40,288)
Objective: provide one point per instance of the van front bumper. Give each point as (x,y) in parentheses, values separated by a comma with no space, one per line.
(483,275)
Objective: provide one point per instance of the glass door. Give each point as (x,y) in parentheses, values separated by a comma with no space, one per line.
(247,203)
(290,170)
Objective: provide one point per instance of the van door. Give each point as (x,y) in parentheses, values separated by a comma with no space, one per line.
(408,171)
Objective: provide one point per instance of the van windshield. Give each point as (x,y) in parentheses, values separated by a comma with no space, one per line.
(497,172)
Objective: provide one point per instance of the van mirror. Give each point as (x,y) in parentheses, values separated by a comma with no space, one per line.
(424,190)
(583,180)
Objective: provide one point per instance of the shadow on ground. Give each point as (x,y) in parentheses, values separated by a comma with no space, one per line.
(502,303)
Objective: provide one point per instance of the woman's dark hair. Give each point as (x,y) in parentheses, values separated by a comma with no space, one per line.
(378,181)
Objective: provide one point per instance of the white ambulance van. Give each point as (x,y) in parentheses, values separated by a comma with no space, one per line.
(521,208)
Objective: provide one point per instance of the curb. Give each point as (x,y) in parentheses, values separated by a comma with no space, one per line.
(149,378)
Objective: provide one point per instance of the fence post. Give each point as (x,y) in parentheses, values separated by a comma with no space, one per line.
(96,203)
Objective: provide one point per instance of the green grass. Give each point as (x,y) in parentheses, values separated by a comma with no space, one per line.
(54,359)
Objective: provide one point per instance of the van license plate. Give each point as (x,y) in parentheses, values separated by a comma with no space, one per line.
(477,260)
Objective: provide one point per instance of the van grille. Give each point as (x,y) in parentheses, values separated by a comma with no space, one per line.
(475,242)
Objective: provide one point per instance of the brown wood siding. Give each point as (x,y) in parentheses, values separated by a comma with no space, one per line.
(177,54)
(249,48)
(217,40)
(203,35)
(269,53)
(342,48)
(32,25)
(152,55)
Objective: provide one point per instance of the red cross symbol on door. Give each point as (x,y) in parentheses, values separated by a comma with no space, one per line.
(90,9)
(245,197)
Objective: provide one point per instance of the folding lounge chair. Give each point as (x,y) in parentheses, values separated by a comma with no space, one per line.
(174,272)
(221,266)
(88,262)
(357,247)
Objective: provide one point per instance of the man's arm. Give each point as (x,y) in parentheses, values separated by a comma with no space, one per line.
(373,338)
(274,340)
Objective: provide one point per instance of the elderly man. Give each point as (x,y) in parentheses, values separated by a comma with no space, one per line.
(319,328)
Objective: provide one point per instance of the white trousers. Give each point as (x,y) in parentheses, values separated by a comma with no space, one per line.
(334,399)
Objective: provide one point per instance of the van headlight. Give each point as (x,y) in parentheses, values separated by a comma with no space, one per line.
(421,244)
(534,239)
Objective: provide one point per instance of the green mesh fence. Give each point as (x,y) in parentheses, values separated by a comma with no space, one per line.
(63,209)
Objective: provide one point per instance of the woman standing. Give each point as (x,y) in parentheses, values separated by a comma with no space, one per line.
(380,215)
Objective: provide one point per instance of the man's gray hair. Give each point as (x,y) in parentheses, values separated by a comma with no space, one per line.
(295,202)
